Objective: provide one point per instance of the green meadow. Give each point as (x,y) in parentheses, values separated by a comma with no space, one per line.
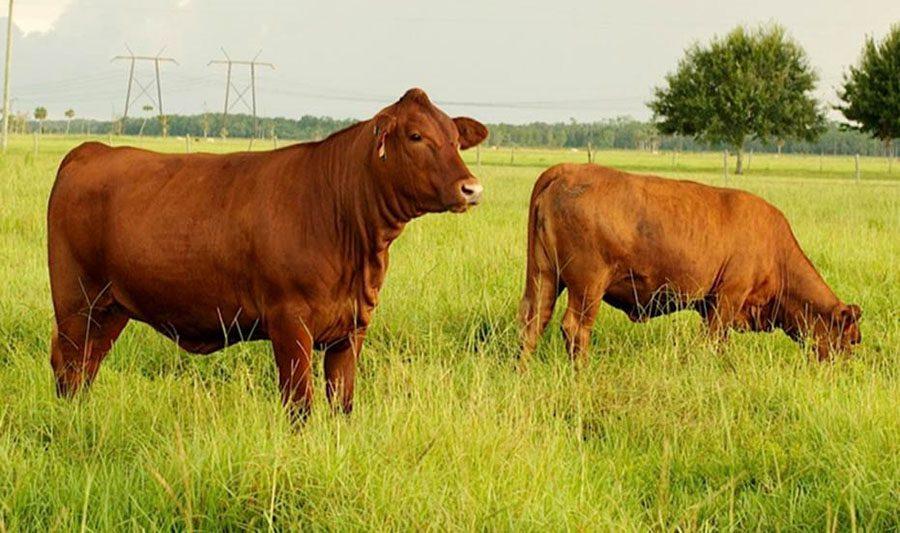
(661,430)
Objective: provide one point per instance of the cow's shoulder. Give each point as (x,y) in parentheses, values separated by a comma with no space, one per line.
(749,202)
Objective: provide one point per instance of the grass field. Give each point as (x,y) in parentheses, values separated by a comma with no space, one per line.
(659,431)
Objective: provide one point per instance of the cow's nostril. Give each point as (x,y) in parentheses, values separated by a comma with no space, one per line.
(471,191)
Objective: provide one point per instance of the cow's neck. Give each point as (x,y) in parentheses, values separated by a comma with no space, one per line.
(806,299)
(363,216)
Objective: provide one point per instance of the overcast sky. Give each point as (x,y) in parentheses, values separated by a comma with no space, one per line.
(507,60)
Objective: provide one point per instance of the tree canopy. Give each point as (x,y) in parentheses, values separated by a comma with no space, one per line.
(751,84)
(871,89)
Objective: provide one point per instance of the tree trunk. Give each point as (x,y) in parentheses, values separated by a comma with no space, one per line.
(68,123)
(739,152)
(141,131)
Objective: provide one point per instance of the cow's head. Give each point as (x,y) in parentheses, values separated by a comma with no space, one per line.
(415,153)
(839,331)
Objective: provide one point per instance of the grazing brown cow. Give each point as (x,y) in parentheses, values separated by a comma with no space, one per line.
(289,245)
(651,246)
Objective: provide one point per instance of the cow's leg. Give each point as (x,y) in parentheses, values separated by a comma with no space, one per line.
(724,315)
(535,311)
(81,339)
(584,302)
(340,371)
(292,343)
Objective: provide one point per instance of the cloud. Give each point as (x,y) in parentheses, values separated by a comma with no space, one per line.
(40,16)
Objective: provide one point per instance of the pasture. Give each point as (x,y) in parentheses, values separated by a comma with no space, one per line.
(661,430)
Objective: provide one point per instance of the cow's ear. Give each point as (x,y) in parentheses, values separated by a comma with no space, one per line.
(851,314)
(382,126)
(471,132)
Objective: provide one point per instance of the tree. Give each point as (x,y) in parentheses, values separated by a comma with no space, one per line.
(871,90)
(70,114)
(40,114)
(146,109)
(751,84)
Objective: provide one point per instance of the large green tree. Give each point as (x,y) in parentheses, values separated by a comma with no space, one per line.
(753,83)
(871,90)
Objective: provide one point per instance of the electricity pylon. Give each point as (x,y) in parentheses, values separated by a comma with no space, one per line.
(145,89)
(240,94)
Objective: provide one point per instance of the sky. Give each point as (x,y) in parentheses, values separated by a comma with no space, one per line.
(511,61)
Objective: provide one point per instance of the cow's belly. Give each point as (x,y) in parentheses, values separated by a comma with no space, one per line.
(182,279)
(195,311)
(647,294)
(206,313)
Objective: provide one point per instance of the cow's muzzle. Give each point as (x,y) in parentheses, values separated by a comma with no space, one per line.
(471,191)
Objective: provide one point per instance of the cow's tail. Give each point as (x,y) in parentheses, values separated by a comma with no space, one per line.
(542,282)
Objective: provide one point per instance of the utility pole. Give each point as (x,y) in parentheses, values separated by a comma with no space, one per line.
(145,90)
(240,94)
(9,28)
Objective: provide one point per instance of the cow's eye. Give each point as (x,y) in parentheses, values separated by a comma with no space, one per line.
(415,137)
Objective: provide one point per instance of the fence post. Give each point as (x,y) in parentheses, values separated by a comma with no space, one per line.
(187,143)
(725,164)
(856,158)
(590,152)
(275,142)
(890,154)
(821,159)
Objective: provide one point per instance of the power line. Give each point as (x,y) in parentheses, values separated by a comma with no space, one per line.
(539,105)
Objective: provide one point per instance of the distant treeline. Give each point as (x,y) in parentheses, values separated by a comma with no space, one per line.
(620,133)
(629,134)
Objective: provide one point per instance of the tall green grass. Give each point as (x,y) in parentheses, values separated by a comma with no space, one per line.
(660,431)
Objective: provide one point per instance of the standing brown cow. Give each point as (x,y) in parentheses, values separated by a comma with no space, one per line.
(289,245)
(651,246)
